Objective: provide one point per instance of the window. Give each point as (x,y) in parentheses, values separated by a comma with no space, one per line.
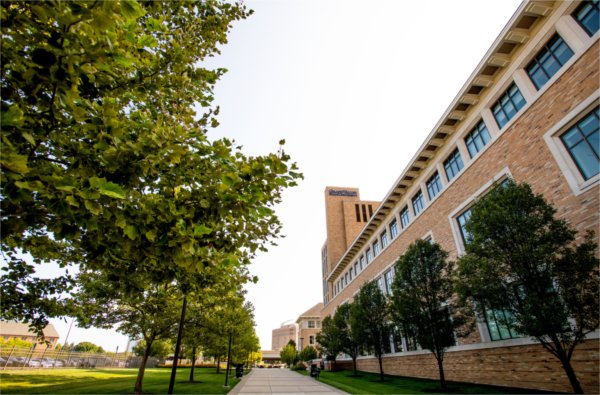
(346,278)
(498,324)
(434,185)
(376,248)
(381,284)
(453,164)
(477,139)
(582,143)
(404,217)
(350,274)
(548,61)
(356,268)
(418,202)
(462,221)
(389,278)
(384,239)
(311,340)
(362,262)
(368,255)
(588,16)
(394,228)
(311,324)
(318,324)
(508,105)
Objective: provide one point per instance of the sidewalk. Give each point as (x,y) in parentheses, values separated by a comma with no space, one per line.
(281,381)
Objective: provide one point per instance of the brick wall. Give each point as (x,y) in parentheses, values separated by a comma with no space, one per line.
(529,366)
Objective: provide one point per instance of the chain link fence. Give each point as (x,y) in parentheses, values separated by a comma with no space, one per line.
(25,358)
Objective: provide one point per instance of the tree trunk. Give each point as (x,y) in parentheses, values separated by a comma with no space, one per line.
(140,377)
(566,363)
(218,364)
(354,365)
(380,368)
(440,363)
(193,364)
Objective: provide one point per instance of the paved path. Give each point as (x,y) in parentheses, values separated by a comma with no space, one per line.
(280,381)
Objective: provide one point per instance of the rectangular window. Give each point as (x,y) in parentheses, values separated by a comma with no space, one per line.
(381,284)
(364,213)
(350,274)
(375,248)
(462,221)
(356,267)
(548,61)
(362,262)
(394,228)
(434,185)
(357,209)
(588,16)
(404,217)
(346,278)
(453,164)
(368,255)
(389,277)
(311,340)
(508,105)
(582,143)
(418,202)
(311,324)
(498,323)
(384,239)
(477,139)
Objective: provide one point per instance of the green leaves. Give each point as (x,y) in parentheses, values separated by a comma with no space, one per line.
(12,117)
(131,10)
(112,190)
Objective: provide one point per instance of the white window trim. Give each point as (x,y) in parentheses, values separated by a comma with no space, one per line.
(560,153)
(460,248)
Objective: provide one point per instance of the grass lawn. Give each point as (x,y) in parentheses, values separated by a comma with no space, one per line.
(368,383)
(111,381)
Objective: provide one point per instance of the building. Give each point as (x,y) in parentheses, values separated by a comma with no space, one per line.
(13,329)
(529,111)
(309,324)
(282,335)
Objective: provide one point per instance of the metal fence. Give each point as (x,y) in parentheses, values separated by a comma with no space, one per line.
(26,358)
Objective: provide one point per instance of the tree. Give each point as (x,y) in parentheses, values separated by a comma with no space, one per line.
(522,260)
(308,353)
(88,347)
(159,349)
(329,338)
(370,321)
(421,297)
(346,319)
(104,156)
(289,355)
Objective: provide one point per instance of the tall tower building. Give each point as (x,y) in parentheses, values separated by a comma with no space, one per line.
(345,215)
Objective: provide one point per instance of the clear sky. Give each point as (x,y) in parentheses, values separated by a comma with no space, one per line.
(354,87)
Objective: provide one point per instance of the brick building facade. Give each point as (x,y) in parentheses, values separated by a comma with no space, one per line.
(529,111)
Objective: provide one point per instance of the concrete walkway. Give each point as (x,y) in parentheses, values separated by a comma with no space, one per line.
(281,381)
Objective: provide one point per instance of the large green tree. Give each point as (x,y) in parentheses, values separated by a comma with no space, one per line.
(523,260)
(422,296)
(289,355)
(347,319)
(329,339)
(105,162)
(370,320)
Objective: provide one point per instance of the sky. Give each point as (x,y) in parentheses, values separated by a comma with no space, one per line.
(354,88)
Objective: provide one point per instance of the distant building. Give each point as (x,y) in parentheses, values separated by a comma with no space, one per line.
(282,335)
(12,329)
(309,324)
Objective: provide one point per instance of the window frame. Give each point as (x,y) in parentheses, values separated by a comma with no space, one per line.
(560,153)
(539,61)
(418,200)
(594,113)
(477,134)
(453,159)
(580,8)
(384,239)
(434,185)
(509,97)
(406,211)
(376,248)
(394,231)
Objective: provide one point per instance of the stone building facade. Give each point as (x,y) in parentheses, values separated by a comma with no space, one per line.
(529,111)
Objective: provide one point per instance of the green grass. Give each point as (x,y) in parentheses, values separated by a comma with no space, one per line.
(368,383)
(111,381)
